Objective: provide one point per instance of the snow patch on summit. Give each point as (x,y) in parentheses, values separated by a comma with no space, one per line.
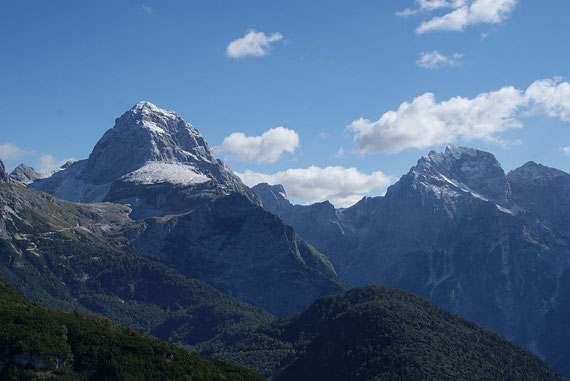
(159,172)
(152,127)
(146,108)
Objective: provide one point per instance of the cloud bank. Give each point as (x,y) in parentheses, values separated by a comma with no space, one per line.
(425,122)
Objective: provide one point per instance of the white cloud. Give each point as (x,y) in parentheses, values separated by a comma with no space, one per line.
(550,97)
(266,148)
(407,12)
(434,60)
(10,151)
(341,186)
(425,122)
(461,14)
(427,6)
(253,43)
(49,163)
(432,5)
(565,150)
(147,9)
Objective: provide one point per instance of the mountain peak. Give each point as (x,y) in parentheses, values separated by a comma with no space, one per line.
(151,159)
(466,168)
(145,108)
(537,173)
(24,174)
(147,133)
(144,105)
(455,151)
(274,197)
(277,189)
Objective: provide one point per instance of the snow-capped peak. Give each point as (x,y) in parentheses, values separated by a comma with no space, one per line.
(477,172)
(456,151)
(146,108)
(148,148)
(147,133)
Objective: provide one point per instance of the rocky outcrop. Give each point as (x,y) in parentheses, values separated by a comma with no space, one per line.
(4,178)
(24,174)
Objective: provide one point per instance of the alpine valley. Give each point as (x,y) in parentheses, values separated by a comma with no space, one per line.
(156,234)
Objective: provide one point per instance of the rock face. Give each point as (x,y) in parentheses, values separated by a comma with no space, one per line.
(542,191)
(243,250)
(494,248)
(24,174)
(3,175)
(319,223)
(274,198)
(152,160)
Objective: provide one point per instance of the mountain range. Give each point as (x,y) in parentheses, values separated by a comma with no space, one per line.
(157,234)
(489,246)
(191,213)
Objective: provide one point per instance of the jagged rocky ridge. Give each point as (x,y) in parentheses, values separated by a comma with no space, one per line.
(491,247)
(24,174)
(152,160)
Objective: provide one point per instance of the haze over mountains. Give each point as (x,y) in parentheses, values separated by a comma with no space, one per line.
(167,236)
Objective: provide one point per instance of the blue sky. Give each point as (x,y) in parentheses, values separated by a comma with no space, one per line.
(68,69)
